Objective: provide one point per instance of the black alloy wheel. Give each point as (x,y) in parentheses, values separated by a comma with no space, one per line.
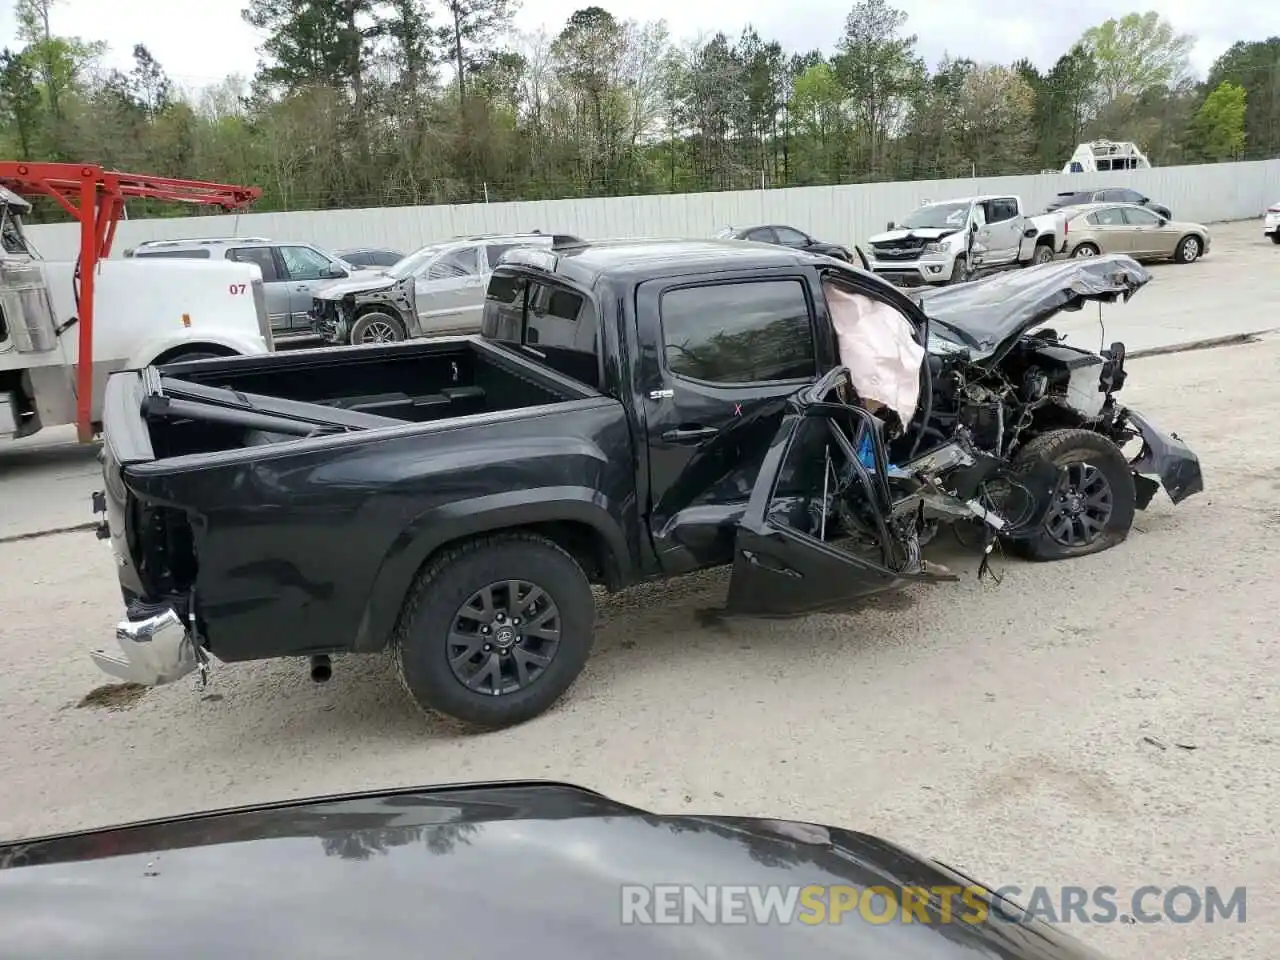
(503,637)
(1081,507)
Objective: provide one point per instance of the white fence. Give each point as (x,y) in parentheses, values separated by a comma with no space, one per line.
(1205,193)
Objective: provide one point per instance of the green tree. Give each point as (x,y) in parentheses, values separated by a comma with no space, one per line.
(470,24)
(1216,132)
(1136,52)
(1254,66)
(878,65)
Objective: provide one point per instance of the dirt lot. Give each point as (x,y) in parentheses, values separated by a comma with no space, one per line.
(1000,728)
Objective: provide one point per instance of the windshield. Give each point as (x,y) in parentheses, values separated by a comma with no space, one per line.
(938,216)
(414,261)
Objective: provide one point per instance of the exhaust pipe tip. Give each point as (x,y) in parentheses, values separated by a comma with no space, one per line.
(321,668)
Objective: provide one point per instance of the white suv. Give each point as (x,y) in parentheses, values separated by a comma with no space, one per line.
(437,290)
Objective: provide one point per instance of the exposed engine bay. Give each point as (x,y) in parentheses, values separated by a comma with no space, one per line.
(1017,442)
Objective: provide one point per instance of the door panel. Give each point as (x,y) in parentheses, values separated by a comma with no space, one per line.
(1149,237)
(1113,231)
(796,549)
(307,268)
(728,355)
(450,293)
(275,285)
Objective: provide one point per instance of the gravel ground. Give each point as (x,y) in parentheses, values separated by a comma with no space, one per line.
(1023,760)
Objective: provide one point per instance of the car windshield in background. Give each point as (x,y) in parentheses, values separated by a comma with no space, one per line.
(414,262)
(937,216)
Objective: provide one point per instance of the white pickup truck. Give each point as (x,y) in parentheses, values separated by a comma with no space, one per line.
(145,312)
(954,240)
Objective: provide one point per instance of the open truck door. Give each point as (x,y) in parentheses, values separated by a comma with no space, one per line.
(821,528)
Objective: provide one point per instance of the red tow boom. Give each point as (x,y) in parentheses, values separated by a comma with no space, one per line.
(96,198)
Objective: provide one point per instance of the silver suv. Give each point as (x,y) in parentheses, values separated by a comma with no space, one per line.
(292,273)
(434,291)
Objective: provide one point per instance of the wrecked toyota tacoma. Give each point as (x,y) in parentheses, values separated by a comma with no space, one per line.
(632,410)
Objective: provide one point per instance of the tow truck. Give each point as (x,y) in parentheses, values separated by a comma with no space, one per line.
(64,326)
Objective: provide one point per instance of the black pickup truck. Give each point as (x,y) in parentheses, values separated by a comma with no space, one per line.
(632,410)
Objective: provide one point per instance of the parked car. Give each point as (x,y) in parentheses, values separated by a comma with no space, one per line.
(291,272)
(436,290)
(1075,198)
(632,410)
(1127,228)
(952,241)
(1271,223)
(371,256)
(795,239)
(383,873)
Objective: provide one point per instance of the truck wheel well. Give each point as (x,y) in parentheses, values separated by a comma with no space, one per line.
(580,540)
(176,354)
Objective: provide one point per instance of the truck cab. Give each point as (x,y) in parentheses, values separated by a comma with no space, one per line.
(145,312)
(955,240)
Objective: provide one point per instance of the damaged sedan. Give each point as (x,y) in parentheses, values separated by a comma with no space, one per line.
(633,410)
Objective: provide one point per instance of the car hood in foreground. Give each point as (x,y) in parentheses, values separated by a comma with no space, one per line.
(502,870)
(991,313)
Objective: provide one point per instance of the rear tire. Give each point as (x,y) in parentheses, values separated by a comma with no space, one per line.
(376,327)
(1043,254)
(440,621)
(1086,250)
(1093,474)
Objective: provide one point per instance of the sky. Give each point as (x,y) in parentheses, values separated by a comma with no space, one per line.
(209,40)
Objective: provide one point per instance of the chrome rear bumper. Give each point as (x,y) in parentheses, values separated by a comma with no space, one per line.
(156,651)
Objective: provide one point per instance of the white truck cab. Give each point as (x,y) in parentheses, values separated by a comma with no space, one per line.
(145,312)
(953,240)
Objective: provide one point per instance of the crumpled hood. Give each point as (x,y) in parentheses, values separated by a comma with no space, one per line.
(363,282)
(918,233)
(992,313)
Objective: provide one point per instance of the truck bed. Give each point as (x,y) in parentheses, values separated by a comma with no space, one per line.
(246,491)
(216,405)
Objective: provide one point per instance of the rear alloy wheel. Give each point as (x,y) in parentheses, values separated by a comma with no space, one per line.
(1189,249)
(496,630)
(1043,254)
(377,327)
(1085,250)
(1094,502)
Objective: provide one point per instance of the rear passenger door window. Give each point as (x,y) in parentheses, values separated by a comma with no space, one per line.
(262,256)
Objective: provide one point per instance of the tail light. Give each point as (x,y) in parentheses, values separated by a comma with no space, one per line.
(1066,227)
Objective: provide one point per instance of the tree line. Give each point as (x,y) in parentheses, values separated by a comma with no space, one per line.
(360,103)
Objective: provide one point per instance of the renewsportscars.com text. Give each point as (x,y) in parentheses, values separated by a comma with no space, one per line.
(815,904)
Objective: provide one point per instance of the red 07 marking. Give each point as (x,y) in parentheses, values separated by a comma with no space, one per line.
(236,288)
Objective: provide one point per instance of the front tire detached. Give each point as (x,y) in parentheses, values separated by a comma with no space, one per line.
(435,614)
(1107,499)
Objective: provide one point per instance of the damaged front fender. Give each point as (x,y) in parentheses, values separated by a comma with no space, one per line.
(1164,455)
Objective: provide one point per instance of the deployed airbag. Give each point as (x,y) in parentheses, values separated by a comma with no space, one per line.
(878,346)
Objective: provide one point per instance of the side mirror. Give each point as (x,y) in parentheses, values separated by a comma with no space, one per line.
(890,225)
(973,226)
(334,271)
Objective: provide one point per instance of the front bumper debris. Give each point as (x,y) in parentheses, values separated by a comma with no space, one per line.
(155,651)
(1165,455)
